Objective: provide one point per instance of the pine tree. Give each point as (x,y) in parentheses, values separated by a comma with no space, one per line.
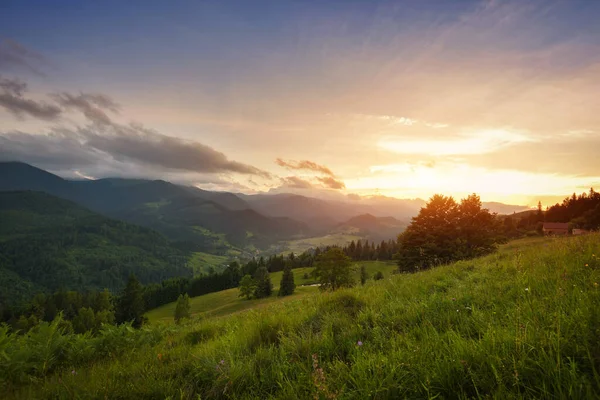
(264,287)
(287,285)
(182,309)
(131,303)
(363,275)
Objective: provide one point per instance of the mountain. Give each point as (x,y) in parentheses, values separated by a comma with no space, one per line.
(48,243)
(374,228)
(327,214)
(199,219)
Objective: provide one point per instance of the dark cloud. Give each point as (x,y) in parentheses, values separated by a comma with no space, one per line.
(124,144)
(332,183)
(139,144)
(15,56)
(92,105)
(12,99)
(296,183)
(56,151)
(103,142)
(305,165)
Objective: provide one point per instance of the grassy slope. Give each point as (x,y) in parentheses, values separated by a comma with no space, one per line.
(227,301)
(521,323)
(201,263)
(300,245)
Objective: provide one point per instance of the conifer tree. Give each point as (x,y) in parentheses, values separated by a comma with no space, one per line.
(182,309)
(264,287)
(363,275)
(131,303)
(287,285)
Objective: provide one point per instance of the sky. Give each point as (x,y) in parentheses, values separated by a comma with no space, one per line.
(396,98)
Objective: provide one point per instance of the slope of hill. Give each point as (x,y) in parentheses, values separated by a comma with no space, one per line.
(207,221)
(48,243)
(520,323)
(372,227)
(227,302)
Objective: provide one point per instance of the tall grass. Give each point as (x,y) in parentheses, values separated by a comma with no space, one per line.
(520,323)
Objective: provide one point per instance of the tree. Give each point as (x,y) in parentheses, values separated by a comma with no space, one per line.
(445,231)
(131,303)
(84,321)
(363,275)
(287,285)
(333,269)
(264,287)
(247,286)
(182,309)
(378,276)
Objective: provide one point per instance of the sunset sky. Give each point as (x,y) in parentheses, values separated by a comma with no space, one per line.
(398,98)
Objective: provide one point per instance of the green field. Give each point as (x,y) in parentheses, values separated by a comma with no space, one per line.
(202,263)
(520,323)
(300,245)
(227,301)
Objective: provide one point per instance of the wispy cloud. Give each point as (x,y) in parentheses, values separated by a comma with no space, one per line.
(91,105)
(295,182)
(13,100)
(479,142)
(14,56)
(331,183)
(304,165)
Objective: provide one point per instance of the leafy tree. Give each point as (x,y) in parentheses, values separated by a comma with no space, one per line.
(182,309)
(247,286)
(445,231)
(378,276)
(264,287)
(131,303)
(363,275)
(84,321)
(287,285)
(333,269)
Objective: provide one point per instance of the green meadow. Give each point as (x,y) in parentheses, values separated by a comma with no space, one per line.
(228,301)
(520,323)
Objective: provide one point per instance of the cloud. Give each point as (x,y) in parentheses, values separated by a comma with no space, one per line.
(480,142)
(14,55)
(91,105)
(137,143)
(125,144)
(296,183)
(331,182)
(304,165)
(12,99)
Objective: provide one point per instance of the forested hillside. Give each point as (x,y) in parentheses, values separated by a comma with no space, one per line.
(47,243)
(200,220)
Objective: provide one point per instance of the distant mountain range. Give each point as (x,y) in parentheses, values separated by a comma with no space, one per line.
(215,221)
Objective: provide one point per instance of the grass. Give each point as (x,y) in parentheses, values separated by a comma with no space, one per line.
(300,245)
(227,301)
(520,323)
(203,262)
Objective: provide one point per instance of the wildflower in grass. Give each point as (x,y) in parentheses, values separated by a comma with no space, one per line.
(222,362)
(586,265)
(73,372)
(595,284)
(527,289)
(159,356)
(359,343)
